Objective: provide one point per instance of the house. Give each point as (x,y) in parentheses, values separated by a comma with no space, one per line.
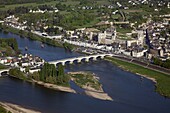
(34,70)
(3,60)
(138,54)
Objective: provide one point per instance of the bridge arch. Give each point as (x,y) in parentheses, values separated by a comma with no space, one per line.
(77,61)
(58,63)
(67,62)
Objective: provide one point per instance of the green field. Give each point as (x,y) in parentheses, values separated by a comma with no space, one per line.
(67,2)
(2,67)
(163,80)
(6,7)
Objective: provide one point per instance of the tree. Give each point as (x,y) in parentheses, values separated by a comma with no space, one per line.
(48,73)
(27,69)
(62,78)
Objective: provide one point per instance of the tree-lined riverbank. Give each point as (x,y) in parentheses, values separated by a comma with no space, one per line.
(162,81)
(31,36)
(50,78)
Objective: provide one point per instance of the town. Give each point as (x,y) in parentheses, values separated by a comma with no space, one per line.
(133,35)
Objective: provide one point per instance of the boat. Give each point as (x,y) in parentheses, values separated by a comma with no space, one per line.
(26,48)
(42,45)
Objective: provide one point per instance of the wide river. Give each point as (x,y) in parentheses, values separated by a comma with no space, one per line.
(130,94)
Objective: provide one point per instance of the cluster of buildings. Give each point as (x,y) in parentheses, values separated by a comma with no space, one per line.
(139,2)
(13,21)
(159,38)
(108,40)
(44,11)
(23,61)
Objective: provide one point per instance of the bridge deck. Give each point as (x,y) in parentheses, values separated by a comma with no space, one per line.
(80,58)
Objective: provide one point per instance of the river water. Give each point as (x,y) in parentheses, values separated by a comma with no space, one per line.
(130,94)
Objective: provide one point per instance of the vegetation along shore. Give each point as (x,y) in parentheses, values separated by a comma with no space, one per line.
(32,36)
(51,78)
(162,81)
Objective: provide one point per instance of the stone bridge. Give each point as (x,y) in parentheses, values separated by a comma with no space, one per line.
(79,59)
(3,70)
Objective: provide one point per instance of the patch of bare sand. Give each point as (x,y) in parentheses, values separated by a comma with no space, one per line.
(56,87)
(150,78)
(16,108)
(98,95)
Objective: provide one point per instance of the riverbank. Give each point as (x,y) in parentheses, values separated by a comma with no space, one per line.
(55,87)
(162,81)
(90,83)
(48,85)
(99,94)
(12,108)
(31,36)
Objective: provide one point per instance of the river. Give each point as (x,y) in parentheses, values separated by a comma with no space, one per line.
(130,94)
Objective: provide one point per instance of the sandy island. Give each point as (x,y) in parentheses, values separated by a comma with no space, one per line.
(99,94)
(16,108)
(90,91)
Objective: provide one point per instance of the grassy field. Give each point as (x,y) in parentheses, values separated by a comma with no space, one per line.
(122,30)
(2,67)
(6,7)
(67,2)
(163,80)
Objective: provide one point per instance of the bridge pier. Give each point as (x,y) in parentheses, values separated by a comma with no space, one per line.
(87,60)
(71,62)
(94,58)
(79,60)
(63,63)
(102,57)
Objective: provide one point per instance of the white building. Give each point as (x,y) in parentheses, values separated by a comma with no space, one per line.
(3,61)
(108,36)
(141,37)
(138,54)
(33,70)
